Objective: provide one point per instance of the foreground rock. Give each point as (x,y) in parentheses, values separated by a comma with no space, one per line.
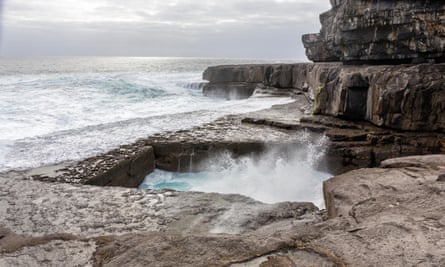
(52,223)
(379,32)
(388,216)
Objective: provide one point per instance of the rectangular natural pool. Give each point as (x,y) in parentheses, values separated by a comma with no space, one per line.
(272,177)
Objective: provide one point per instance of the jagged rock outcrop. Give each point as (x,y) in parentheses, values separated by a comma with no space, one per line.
(381,31)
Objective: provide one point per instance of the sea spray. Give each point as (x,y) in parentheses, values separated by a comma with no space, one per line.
(65,109)
(282,173)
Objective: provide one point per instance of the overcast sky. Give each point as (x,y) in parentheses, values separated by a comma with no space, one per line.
(198,28)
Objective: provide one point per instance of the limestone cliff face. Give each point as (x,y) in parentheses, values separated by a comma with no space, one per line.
(405,97)
(379,31)
(380,34)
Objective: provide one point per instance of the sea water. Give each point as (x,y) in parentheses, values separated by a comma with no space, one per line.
(68,108)
(277,175)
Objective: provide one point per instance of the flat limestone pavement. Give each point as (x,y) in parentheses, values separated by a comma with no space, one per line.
(45,223)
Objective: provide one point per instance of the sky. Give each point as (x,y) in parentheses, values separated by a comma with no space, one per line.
(173,28)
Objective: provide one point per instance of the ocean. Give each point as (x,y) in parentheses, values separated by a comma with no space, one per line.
(68,108)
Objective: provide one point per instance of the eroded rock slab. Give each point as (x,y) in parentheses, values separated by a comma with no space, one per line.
(126,166)
(389,216)
(37,209)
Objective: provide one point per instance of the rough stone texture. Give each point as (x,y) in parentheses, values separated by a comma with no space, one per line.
(155,249)
(353,145)
(53,223)
(53,254)
(126,166)
(36,209)
(189,250)
(390,216)
(243,80)
(229,91)
(405,97)
(281,76)
(129,172)
(189,150)
(379,32)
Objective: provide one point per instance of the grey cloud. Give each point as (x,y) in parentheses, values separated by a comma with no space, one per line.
(261,29)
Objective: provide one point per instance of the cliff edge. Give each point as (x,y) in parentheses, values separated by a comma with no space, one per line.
(379,32)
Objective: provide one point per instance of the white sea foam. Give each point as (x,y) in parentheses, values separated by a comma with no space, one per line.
(53,110)
(280,174)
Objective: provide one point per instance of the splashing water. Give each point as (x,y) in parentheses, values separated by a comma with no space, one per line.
(280,174)
(59,109)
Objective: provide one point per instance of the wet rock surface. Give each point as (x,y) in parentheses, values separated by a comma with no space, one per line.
(351,144)
(179,151)
(48,223)
(376,216)
(126,166)
(391,216)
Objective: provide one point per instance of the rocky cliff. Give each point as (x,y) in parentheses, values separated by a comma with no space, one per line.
(387,216)
(403,97)
(379,31)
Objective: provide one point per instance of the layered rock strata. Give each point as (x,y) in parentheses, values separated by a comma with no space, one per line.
(376,32)
(188,150)
(350,145)
(126,166)
(355,145)
(242,80)
(405,97)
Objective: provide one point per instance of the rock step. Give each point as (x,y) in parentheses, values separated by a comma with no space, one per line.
(125,167)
